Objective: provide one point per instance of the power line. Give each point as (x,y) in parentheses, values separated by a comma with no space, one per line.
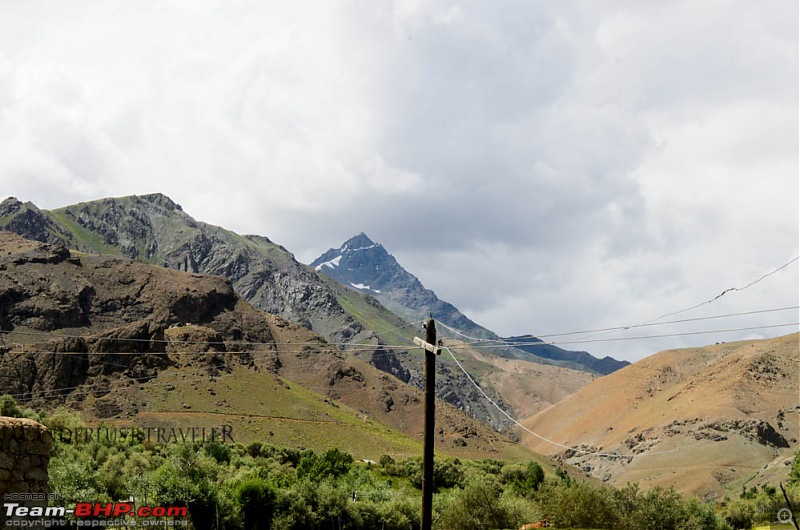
(477,342)
(730,289)
(654,321)
(316,342)
(681,321)
(668,335)
(358,347)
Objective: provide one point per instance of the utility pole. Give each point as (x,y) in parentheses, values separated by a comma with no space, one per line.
(431,350)
(791,510)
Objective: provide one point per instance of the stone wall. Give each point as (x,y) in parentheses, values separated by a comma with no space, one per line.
(24,456)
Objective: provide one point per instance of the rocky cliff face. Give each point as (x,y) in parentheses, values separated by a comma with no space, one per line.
(28,221)
(50,298)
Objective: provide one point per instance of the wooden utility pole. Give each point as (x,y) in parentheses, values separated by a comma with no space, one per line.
(791,509)
(431,350)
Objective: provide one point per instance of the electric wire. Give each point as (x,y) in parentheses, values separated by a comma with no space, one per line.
(681,321)
(477,342)
(729,290)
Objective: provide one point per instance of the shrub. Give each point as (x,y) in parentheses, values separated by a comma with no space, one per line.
(578,504)
(332,463)
(740,514)
(476,507)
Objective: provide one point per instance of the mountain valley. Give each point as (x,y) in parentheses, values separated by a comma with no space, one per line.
(130,311)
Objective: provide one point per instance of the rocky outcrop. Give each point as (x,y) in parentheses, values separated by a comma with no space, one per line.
(759,431)
(387,361)
(30,222)
(110,319)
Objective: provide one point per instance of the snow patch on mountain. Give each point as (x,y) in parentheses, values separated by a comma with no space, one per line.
(330,264)
(364,287)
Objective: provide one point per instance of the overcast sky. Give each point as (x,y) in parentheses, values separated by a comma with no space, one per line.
(546,166)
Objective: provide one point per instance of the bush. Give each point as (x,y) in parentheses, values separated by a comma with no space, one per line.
(580,505)
(794,474)
(386,461)
(219,451)
(476,507)
(332,463)
(9,407)
(740,514)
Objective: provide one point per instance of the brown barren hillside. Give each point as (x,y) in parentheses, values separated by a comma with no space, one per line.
(127,342)
(527,386)
(700,419)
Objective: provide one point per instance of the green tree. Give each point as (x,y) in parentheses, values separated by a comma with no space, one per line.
(187,477)
(794,474)
(523,480)
(257,500)
(740,514)
(660,509)
(447,473)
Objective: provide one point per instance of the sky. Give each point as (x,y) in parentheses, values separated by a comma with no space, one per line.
(547,167)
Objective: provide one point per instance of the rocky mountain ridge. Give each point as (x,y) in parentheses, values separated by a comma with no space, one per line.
(366,266)
(155,229)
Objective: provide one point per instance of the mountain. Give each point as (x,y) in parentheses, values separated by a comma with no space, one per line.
(706,420)
(126,342)
(366,266)
(154,229)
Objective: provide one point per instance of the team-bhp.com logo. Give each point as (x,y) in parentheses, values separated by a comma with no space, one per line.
(95,514)
(97,509)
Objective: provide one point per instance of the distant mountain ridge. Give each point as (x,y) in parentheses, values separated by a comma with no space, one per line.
(366,266)
(536,346)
